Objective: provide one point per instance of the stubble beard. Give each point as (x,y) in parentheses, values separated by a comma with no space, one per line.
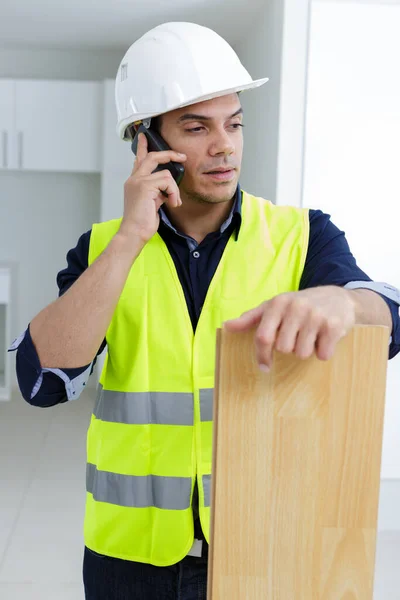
(203,199)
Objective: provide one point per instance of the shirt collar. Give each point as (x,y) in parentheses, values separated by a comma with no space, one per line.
(234,215)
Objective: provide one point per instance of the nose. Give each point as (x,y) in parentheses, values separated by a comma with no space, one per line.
(221,144)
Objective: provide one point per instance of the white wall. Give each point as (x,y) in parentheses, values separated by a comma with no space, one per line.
(38,63)
(261,53)
(293,91)
(276,47)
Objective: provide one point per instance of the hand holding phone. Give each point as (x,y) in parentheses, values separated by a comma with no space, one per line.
(149,186)
(155,143)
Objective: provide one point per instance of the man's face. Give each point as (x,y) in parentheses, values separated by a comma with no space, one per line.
(210,134)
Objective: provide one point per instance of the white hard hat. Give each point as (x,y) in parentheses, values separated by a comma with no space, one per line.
(175,65)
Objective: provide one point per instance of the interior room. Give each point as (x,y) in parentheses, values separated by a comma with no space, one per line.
(323,133)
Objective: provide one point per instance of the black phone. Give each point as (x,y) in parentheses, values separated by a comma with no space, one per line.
(155,143)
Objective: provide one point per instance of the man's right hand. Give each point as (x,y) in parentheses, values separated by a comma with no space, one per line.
(143,191)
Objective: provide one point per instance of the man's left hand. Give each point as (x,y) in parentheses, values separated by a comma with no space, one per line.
(304,322)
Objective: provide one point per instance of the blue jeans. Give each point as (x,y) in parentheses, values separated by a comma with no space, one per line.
(108,578)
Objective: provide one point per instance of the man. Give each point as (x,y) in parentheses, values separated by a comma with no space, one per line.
(154,286)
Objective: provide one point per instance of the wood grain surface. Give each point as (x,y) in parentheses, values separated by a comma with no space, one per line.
(296,471)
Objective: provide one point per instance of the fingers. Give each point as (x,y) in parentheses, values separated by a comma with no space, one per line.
(267,333)
(299,330)
(141,152)
(153,159)
(291,324)
(169,191)
(306,342)
(248,320)
(295,318)
(268,317)
(330,334)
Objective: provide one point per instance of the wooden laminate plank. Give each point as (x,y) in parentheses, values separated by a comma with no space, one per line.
(296,471)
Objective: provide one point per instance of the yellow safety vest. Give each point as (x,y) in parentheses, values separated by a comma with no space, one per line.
(151,430)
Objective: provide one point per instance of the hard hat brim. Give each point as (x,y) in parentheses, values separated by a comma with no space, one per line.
(122,127)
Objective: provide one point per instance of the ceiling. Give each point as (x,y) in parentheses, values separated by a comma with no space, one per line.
(115,23)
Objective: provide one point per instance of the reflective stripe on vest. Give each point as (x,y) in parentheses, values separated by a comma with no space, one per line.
(207,490)
(151,408)
(170,493)
(206,404)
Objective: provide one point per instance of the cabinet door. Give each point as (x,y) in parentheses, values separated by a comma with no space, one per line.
(7,124)
(58,125)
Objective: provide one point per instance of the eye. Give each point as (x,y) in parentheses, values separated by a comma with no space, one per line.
(237,125)
(195,129)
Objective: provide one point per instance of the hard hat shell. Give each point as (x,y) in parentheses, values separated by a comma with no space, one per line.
(172,66)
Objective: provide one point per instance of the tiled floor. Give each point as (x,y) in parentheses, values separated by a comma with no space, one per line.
(42,495)
(42,479)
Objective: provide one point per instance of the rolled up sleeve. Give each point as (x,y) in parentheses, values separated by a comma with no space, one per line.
(46,387)
(329,261)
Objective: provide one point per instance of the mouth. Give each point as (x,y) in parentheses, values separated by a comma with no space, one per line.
(222,174)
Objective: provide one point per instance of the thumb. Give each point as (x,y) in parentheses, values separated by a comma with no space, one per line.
(246,321)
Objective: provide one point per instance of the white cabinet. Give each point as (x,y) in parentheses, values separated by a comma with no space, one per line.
(5,295)
(7,124)
(51,125)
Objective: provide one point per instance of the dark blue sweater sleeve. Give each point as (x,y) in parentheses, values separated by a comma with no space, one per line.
(329,261)
(29,371)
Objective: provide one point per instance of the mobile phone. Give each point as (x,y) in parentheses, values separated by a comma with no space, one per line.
(155,143)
